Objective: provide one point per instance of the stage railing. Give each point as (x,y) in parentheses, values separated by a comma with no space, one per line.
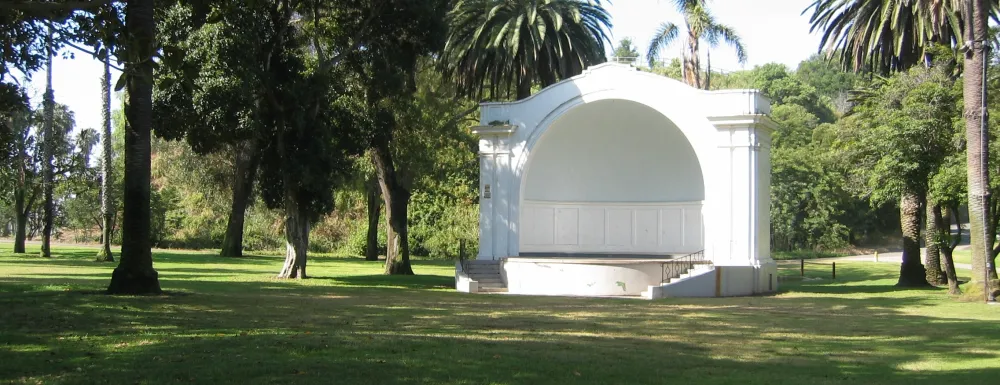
(677,266)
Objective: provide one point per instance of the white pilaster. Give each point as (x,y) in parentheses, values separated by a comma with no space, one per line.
(744,147)
(494,189)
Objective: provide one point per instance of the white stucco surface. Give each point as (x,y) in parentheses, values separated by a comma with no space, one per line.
(613,151)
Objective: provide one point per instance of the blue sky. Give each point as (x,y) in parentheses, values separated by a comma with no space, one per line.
(772,31)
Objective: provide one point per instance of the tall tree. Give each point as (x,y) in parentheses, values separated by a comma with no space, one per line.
(901,132)
(247,153)
(701,26)
(976,50)
(495,47)
(626,51)
(135,273)
(48,149)
(883,36)
(26,187)
(107,157)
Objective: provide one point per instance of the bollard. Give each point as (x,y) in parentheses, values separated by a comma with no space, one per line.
(835,270)
(876,256)
(802,267)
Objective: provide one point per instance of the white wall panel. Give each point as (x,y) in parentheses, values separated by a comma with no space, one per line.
(628,228)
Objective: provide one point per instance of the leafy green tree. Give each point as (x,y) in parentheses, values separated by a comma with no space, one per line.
(902,131)
(825,76)
(24,174)
(946,195)
(625,50)
(498,46)
(429,148)
(883,36)
(700,26)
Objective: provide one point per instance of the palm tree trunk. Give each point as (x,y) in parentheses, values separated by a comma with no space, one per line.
(20,219)
(107,206)
(911,272)
(708,69)
(247,160)
(396,199)
(135,274)
(523,86)
(692,62)
(933,237)
(374,210)
(977,140)
(947,258)
(48,150)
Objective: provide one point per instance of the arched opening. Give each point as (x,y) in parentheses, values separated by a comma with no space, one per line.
(612,177)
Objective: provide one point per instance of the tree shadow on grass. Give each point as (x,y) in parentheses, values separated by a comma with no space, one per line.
(355,334)
(425,282)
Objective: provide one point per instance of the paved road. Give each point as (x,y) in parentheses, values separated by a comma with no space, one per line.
(890,257)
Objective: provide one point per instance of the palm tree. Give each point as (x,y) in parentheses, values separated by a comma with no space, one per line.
(48,148)
(883,36)
(505,45)
(135,274)
(107,205)
(701,26)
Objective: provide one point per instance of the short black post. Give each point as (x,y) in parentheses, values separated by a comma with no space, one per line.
(770,281)
(802,267)
(835,270)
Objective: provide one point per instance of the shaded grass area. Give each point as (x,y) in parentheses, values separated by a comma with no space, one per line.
(229,321)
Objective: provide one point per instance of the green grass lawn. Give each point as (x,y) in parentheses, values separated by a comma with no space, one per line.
(229,321)
(962,256)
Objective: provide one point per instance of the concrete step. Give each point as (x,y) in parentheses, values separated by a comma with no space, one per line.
(491,285)
(474,270)
(477,262)
(483,280)
(482,274)
(492,289)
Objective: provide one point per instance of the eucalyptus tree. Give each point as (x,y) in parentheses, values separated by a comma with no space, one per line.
(277,71)
(495,47)
(387,71)
(24,173)
(700,26)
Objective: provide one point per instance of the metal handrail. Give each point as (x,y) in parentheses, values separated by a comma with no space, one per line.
(677,266)
(462,260)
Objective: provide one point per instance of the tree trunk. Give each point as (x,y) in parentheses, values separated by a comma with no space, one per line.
(911,272)
(48,150)
(933,238)
(708,69)
(976,139)
(20,221)
(396,199)
(107,205)
(374,211)
(523,86)
(947,251)
(296,234)
(247,159)
(692,62)
(135,274)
